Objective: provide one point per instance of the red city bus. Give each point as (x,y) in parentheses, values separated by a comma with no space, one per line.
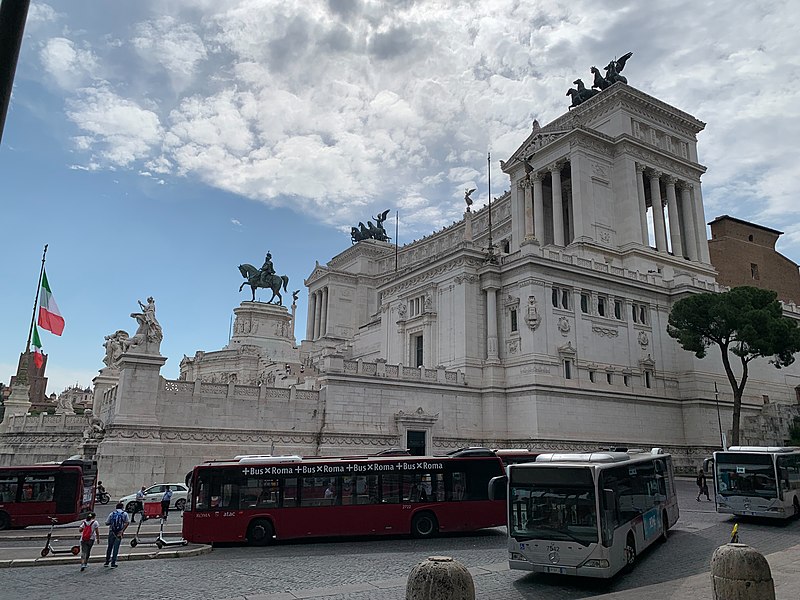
(31,495)
(260,498)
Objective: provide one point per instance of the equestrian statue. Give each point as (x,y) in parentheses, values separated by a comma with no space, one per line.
(264,277)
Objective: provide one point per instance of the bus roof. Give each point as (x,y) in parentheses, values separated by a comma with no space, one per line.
(602,457)
(386,458)
(766,449)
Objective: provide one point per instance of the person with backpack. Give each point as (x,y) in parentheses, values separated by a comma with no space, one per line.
(117,522)
(165,500)
(90,533)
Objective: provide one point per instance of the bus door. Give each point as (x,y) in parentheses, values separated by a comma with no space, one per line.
(67,488)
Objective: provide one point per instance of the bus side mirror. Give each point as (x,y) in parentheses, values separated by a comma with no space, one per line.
(609,500)
(498,488)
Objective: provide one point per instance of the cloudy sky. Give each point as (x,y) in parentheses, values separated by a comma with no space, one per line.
(157,145)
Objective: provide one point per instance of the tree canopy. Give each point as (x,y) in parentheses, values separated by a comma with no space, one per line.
(747,322)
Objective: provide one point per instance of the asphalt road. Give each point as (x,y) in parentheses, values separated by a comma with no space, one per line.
(376,569)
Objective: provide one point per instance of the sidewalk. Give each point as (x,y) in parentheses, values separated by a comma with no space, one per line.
(29,557)
(785,567)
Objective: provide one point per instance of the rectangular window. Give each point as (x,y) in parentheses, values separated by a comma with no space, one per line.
(38,488)
(617,309)
(643,314)
(416,350)
(390,488)
(584,303)
(513,319)
(591,376)
(560,298)
(626,381)
(635,313)
(647,379)
(565,299)
(609,378)
(8,488)
(601,306)
(567,369)
(555,297)
(754,270)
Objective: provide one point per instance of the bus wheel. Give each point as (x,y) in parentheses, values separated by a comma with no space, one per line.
(5,521)
(424,525)
(664,527)
(260,532)
(630,553)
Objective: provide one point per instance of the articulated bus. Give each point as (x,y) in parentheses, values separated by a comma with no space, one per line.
(259,499)
(587,514)
(757,481)
(31,495)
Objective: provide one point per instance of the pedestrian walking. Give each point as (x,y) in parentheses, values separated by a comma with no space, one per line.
(138,505)
(90,533)
(117,523)
(702,485)
(165,500)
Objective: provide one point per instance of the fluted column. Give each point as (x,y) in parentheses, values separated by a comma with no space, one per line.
(324,325)
(658,212)
(700,222)
(642,203)
(310,317)
(538,207)
(674,218)
(317,313)
(491,324)
(690,243)
(558,206)
(525,186)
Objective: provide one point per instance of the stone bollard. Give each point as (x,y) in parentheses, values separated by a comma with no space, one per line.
(738,572)
(440,578)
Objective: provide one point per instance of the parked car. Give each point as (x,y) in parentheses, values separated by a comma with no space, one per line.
(154,494)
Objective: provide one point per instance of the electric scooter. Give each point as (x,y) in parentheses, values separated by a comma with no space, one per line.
(161,542)
(48,546)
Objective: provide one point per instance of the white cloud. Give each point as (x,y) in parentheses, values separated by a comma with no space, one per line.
(69,66)
(122,129)
(236,222)
(338,109)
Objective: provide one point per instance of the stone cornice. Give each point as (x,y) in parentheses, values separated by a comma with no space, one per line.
(670,163)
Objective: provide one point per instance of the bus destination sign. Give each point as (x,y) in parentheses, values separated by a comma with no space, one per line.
(349,468)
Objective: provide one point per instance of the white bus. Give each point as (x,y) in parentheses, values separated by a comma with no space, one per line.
(587,514)
(762,481)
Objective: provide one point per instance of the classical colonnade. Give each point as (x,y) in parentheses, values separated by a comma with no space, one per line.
(317,324)
(686,219)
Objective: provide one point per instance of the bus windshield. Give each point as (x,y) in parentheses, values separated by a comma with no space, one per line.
(742,474)
(553,504)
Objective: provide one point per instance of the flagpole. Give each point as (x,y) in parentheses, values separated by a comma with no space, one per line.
(35,302)
(396,241)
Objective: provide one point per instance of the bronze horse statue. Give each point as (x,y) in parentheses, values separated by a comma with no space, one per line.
(255,280)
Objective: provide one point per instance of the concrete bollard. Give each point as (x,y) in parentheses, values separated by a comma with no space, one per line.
(440,578)
(738,572)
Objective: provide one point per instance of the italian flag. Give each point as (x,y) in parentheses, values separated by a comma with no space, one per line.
(49,316)
(38,359)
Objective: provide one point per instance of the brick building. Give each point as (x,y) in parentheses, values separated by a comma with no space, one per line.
(744,254)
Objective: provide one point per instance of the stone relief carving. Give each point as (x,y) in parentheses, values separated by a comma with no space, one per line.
(532,318)
(605,331)
(643,339)
(599,170)
(564,326)
(65,405)
(402,310)
(513,346)
(428,303)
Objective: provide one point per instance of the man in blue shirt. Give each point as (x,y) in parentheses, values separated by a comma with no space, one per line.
(139,507)
(117,523)
(165,500)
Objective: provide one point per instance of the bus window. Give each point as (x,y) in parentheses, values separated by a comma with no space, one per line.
(319,491)
(8,488)
(262,493)
(289,492)
(418,488)
(458,486)
(390,489)
(217,491)
(366,489)
(38,488)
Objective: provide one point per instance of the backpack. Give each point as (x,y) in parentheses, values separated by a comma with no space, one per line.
(87,531)
(116,521)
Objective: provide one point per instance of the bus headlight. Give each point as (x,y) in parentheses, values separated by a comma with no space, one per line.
(596,563)
(518,556)
(777,509)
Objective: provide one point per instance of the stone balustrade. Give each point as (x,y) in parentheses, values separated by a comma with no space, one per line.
(234,391)
(380,369)
(46,423)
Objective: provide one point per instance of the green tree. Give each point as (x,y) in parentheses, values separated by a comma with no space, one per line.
(746,323)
